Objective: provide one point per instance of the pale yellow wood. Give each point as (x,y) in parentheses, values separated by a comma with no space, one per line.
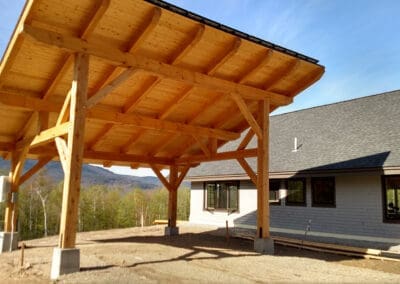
(49,134)
(28,103)
(204,147)
(231,51)
(64,112)
(246,140)
(72,177)
(100,94)
(119,58)
(263,171)
(247,114)
(62,150)
(254,69)
(175,104)
(99,11)
(37,167)
(283,75)
(100,135)
(131,105)
(147,28)
(156,124)
(126,158)
(160,176)
(172,196)
(186,48)
(230,155)
(249,171)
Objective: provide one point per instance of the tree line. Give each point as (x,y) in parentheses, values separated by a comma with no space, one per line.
(100,207)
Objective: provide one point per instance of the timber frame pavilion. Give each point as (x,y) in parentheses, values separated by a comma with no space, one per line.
(139,84)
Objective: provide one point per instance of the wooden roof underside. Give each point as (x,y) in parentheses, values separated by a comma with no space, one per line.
(160,84)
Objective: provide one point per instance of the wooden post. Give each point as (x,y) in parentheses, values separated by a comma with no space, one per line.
(17,164)
(263,171)
(173,196)
(72,175)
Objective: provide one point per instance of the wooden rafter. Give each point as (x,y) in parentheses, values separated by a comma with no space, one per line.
(141,121)
(160,176)
(256,67)
(281,76)
(108,88)
(135,101)
(203,146)
(187,46)
(175,103)
(119,58)
(146,29)
(310,79)
(228,53)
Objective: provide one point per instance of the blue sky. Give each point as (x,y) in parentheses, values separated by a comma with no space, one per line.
(357,41)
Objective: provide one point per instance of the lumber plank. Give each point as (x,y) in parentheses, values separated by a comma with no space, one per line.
(172,196)
(62,150)
(160,176)
(262,171)
(108,88)
(253,69)
(37,167)
(283,75)
(246,140)
(249,171)
(119,58)
(156,124)
(228,54)
(247,114)
(72,177)
(203,147)
(229,155)
(49,134)
(186,48)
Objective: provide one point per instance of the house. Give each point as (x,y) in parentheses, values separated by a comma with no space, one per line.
(334,172)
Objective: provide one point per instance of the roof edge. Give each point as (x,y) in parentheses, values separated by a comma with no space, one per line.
(230,30)
(336,103)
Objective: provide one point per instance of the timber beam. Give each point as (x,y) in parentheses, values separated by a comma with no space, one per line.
(125,59)
(230,155)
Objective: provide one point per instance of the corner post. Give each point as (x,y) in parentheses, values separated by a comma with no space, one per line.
(66,258)
(9,238)
(172,229)
(263,243)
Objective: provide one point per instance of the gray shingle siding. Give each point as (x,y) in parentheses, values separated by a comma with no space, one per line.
(360,133)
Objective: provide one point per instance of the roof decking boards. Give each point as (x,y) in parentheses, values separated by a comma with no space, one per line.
(160,84)
(119,82)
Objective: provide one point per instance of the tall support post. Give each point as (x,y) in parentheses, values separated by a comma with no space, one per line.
(263,243)
(172,202)
(9,238)
(66,257)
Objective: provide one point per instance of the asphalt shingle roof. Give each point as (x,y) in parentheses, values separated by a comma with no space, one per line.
(356,134)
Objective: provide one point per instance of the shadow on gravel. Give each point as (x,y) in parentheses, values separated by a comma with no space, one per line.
(201,247)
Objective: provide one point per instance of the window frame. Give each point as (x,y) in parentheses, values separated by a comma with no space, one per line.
(384,200)
(274,202)
(289,203)
(227,184)
(324,205)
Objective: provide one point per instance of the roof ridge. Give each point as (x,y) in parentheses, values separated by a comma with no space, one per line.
(336,103)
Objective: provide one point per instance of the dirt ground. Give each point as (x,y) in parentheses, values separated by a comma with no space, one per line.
(197,255)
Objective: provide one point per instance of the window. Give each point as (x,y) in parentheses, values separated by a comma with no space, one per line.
(274,185)
(296,192)
(323,192)
(391,198)
(222,195)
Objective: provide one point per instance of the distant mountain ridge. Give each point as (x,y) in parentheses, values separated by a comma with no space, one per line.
(92,175)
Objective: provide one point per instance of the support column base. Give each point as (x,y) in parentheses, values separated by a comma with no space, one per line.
(65,261)
(5,241)
(171,231)
(264,246)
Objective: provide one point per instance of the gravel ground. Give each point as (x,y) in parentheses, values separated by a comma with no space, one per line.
(198,255)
